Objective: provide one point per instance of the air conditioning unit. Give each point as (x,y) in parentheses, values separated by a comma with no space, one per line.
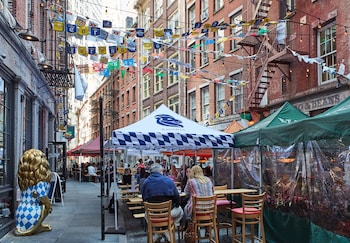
(204,16)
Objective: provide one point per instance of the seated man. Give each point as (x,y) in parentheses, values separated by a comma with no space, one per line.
(92,170)
(160,188)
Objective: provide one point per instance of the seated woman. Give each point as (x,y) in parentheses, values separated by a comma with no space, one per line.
(173,173)
(127,177)
(197,185)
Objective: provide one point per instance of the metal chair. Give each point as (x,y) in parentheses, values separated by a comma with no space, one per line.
(251,213)
(204,216)
(159,220)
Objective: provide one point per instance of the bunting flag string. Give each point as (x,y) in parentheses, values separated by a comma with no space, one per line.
(115,42)
(320,61)
(108,66)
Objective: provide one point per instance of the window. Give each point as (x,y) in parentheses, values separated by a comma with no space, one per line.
(205,103)
(204,51)
(145,57)
(134,94)
(146,112)
(237,91)
(158,78)
(290,5)
(235,19)
(286,8)
(158,8)
(160,40)
(170,2)
(6,132)
(156,105)
(173,103)
(28,121)
(327,50)
(192,104)
(122,104)
(219,46)
(127,97)
(192,57)
(41,126)
(132,73)
(220,98)
(133,116)
(173,21)
(218,4)
(173,66)
(204,7)
(146,86)
(191,16)
(146,19)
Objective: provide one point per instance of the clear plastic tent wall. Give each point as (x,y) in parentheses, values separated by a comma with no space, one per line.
(310,180)
(238,168)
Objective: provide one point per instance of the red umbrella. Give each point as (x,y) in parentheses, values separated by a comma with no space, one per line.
(72,151)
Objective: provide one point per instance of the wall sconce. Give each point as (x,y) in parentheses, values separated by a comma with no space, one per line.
(45,66)
(28,35)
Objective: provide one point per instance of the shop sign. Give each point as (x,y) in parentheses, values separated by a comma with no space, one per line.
(320,103)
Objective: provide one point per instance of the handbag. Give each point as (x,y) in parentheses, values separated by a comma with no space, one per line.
(190,233)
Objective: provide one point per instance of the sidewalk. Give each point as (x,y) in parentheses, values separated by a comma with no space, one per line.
(79,220)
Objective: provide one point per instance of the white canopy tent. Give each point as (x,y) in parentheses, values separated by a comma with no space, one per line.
(164,129)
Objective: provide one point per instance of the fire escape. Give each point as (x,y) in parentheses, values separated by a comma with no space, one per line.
(271,55)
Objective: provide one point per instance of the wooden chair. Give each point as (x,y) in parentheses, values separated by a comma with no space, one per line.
(204,216)
(251,213)
(223,205)
(159,220)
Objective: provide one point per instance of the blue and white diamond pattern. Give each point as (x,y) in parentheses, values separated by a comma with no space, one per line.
(29,209)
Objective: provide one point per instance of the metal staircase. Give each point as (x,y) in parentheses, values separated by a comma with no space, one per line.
(265,70)
(262,64)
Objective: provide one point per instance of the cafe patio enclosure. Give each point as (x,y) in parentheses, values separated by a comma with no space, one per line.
(304,167)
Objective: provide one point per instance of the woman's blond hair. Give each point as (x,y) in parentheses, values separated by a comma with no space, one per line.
(197,173)
(33,167)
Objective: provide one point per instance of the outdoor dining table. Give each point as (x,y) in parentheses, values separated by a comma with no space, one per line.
(234,191)
(135,199)
(182,194)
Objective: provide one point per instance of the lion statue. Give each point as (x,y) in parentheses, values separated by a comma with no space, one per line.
(34,178)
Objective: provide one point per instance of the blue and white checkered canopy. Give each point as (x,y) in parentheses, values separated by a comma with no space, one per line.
(164,129)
